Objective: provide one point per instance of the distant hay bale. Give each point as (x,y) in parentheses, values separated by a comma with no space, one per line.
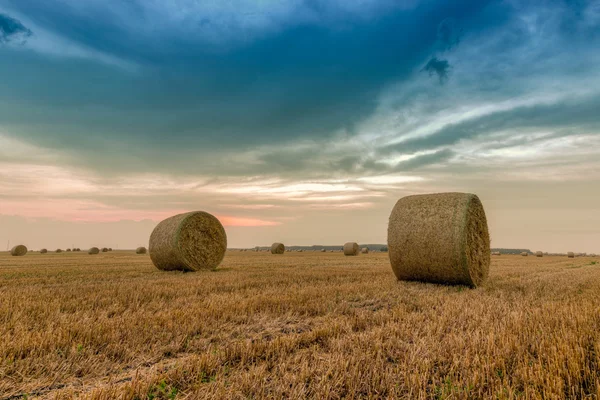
(524,254)
(496,253)
(68,250)
(43,251)
(571,254)
(539,254)
(300,251)
(277,248)
(323,250)
(18,251)
(94,250)
(58,250)
(110,249)
(140,250)
(351,249)
(439,238)
(365,250)
(104,249)
(189,242)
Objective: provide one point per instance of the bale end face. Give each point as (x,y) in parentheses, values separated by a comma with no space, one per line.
(439,238)
(18,251)
(188,242)
(539,254)
(351,249)
(277,248)
(571,254)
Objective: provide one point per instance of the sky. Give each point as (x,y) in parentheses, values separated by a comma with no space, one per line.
(299,121)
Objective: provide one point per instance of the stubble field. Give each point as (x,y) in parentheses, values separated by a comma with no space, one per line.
(300,325)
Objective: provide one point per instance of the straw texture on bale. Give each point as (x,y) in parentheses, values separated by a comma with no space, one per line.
(189,242)
(539,254)
(365,250)
(571,254)
(94,250)
(439,238)
(277,248)
(43,251)
(351,249)
(140,250)
(18,251)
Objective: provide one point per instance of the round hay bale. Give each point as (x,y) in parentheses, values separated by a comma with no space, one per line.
(58,250)
(43,251)
(189,242)
(94,250)
(524,254)
(323,250)
(539,254)
(440,238)
(104,249)
(365,250)
(571,254)
(277,248)
(140,250)
(110,249)
(18,251)
(351,249)
(68,250)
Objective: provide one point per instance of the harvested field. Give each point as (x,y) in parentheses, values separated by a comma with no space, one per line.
(300,325)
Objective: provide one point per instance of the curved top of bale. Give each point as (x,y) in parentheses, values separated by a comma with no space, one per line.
(364,250)
(441,238)
(539,254)
(94,250)
(571,254)
(58,250)
(351,249)
(18,251)
(190,242)
(524,254)
(104,249)
(277,248)
(43,251)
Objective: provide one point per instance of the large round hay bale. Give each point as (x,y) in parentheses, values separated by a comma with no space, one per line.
(277,248)
(539,254)
(524,254)
(189,242)
(365,250)
(571,254)
(104,249)
(58,250)
(439,238)
(43,251)
(94,250)
(351,249)
(18,251)
(140,250)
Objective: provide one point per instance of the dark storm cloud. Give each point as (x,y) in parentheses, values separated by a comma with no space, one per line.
(12,30)
(300,80)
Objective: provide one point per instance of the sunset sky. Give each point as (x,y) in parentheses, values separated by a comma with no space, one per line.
(297,121)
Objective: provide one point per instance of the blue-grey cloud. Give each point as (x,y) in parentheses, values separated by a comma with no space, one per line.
(437,67)
(12,30)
